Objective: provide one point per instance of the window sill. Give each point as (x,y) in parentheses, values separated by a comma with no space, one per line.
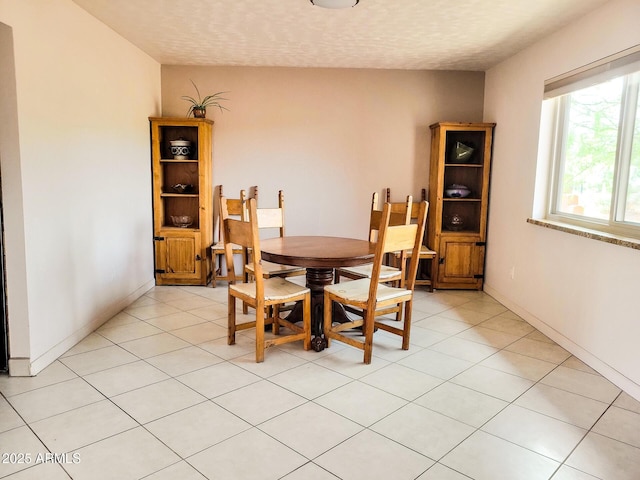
(588,233)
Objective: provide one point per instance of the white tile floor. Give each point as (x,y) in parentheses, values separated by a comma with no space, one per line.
(157,393)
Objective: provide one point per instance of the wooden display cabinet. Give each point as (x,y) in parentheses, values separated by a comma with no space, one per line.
(181,251)
(457,226)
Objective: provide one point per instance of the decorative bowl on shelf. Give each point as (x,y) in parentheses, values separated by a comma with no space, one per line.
(182,221)
(180,149)
(457,191)
(460,153)
(455,222)
(182,188)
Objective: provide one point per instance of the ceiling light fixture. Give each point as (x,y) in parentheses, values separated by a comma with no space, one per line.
(335,3)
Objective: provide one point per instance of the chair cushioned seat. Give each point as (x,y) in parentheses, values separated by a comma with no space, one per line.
(276,288)
(219,247)
(366,270)
(275,268)
(358,290)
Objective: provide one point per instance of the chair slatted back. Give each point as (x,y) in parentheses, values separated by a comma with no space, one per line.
(235,206)
(243,233)
(399,215)
(393,238)
(400,237)
(272,217)
(414,208)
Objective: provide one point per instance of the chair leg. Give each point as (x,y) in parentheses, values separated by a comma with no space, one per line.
(399,314)
(274,312)
(306,322)
(214,269)
(245,307)
(398,283)
(260,333)
(369,322)
(406,331)
(231,320)
(327,319)
(431,270)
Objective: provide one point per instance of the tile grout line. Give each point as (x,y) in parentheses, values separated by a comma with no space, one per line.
(352,380)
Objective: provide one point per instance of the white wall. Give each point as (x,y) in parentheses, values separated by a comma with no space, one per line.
(580,292)
(327,137)
(76,179)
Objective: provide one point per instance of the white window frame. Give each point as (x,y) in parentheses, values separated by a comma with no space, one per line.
(622,64)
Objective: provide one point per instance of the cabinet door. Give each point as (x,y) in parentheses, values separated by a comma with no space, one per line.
(178,258)
(461,262)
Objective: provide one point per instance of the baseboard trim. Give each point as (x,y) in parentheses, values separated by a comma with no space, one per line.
(603,368)
(20,367)
(25,367)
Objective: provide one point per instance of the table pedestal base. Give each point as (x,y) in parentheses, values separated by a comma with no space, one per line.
(317,278)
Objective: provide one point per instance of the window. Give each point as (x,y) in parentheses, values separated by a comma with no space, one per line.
(595,182)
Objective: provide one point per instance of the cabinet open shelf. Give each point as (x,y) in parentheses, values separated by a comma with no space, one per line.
(168,133)
(174,160)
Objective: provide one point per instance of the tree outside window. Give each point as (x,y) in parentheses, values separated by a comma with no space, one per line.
(597,156)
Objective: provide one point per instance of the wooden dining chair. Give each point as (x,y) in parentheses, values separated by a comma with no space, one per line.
(400,215)
(426,267)
(235,208)
(369,295)
(273,219)
(262,293)
(270,220)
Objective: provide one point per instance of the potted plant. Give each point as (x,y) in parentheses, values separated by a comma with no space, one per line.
(199,106)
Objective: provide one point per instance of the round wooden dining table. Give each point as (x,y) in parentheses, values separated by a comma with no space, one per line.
(320,256)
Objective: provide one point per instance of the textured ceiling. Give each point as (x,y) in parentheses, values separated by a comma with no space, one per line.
(392,34)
